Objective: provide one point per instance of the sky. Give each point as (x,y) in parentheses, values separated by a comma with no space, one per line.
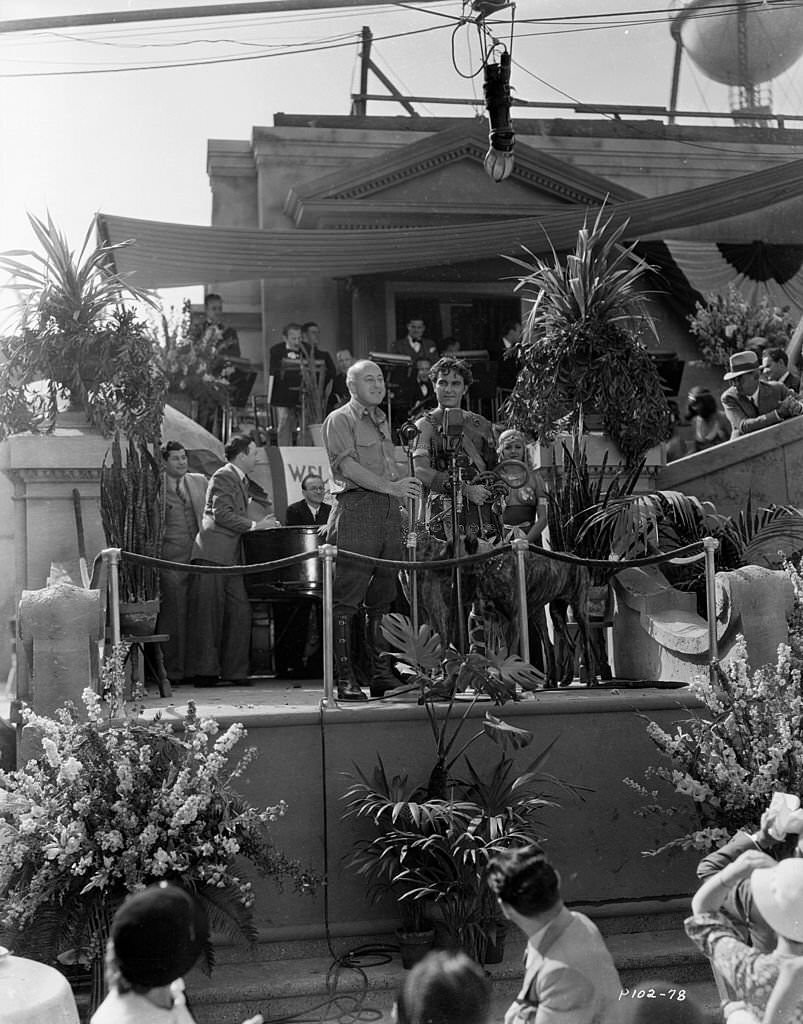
(133,142)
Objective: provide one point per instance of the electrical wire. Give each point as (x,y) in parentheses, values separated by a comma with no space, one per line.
(206,62)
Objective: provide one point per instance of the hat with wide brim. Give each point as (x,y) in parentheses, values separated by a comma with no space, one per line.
(778,896)
(742,362)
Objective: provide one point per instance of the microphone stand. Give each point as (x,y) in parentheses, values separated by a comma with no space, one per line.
(455,485)
(408,432)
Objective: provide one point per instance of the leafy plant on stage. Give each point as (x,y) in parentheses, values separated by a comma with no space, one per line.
(111,805)
(130,509)
(745,743)
(581,351)
(71,333)
(727,324)
(433,837)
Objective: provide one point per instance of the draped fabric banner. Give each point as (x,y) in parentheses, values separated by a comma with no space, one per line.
(165,255)
(757,269)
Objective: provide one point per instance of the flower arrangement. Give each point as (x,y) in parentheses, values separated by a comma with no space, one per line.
(725,324)
(111,805)
(190,358)
(746,744)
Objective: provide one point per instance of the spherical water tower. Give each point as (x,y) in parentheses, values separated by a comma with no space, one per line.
(744,45)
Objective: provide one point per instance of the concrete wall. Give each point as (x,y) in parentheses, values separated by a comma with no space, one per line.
(597,841)
(767,464)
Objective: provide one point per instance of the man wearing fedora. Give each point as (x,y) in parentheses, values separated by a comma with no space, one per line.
(751,403)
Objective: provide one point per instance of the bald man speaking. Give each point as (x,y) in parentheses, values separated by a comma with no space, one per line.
(366,518)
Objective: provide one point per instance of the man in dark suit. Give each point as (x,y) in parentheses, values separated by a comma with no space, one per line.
(218,605)
(182,510)
(312,510)
(414,344)
(751,403)
(775,366)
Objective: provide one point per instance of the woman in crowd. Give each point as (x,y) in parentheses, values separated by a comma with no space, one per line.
(444,988)
(155,938)
(750,974)
(526,506)
(710,425)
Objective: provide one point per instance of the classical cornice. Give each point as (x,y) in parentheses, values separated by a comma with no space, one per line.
(546,176)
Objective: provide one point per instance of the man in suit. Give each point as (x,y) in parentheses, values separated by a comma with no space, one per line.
(218,606)
(421,392)
(285,392)
(312,510)
(569,975)
(414,344)
(507,363)
(775,366)
(182,509)
(751,403)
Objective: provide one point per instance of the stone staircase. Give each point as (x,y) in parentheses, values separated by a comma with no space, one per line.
(358,981)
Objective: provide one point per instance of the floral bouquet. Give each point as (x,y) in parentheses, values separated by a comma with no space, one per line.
(725,324)
(191,359)
(746,744)
(110,806)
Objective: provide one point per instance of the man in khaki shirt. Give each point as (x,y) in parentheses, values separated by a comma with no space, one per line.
(366,519)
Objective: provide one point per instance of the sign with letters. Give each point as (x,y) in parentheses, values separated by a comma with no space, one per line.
(288,467)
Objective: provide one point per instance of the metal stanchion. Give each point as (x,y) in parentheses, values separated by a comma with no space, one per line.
(328,552)
(520,546)
(111,556)
(710,545)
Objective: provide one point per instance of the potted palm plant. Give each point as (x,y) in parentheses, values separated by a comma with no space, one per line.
(581,353)
(70,334)
(432,838)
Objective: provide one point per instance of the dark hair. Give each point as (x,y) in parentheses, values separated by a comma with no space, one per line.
(292,326)
(444,988)
(702,403)
(309,323)
(211,297)
(448,364)
(508,326)
(777,355)
(237,445)
(171,446)
(525,879)
(310,476)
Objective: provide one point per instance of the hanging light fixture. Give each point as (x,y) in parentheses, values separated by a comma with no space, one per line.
(499,158)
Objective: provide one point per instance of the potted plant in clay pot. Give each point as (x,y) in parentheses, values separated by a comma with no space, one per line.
(581,354)
(67,338)
(431,840)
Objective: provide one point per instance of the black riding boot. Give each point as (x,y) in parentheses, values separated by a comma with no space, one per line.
(347,686)
(382,678)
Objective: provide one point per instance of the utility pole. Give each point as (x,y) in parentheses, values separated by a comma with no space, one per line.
(181,13)
(359,103)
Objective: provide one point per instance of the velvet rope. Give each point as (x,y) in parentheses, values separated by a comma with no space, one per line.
(688,552)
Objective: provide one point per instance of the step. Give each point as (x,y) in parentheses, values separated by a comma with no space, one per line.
(371,976)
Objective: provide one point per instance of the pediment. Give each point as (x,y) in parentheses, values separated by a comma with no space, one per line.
(442,177)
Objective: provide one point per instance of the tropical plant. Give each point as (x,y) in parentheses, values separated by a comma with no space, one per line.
(113,804)
(726,324)
(69,328)
(581,352)
(131,512)
(434,837)
(576,503)
(746,743)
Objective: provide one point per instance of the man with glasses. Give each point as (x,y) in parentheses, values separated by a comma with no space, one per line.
(312,510)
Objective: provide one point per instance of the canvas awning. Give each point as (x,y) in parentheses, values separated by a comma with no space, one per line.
(165,255)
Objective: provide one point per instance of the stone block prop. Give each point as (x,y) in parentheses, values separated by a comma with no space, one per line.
(658,635)
(767,464)
(59,629)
